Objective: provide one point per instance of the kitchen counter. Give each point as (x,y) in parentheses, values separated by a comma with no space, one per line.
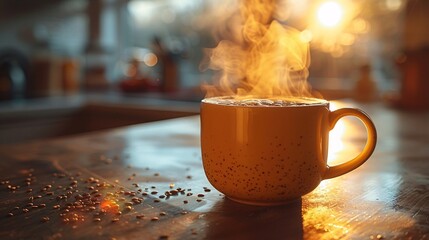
(24,120)
(147,182)
(149,100)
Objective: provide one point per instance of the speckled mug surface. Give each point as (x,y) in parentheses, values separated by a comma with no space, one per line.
(270,154)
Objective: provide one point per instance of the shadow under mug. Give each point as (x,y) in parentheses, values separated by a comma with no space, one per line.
(270,155)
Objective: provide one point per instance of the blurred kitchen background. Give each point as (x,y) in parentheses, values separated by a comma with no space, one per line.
(145,54)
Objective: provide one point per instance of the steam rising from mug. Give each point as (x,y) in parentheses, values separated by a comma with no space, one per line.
(266,60)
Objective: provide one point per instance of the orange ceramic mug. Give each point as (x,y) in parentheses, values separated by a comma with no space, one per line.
(269,153)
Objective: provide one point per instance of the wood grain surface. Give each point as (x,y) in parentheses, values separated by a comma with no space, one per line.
(147,182)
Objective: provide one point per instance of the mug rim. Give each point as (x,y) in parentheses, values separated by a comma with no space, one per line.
(305,101)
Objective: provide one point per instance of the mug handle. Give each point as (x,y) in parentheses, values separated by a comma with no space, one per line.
(343,168)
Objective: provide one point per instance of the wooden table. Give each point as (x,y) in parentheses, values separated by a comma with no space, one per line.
(113,184)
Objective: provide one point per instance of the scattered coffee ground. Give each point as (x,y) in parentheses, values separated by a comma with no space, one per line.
(71,198)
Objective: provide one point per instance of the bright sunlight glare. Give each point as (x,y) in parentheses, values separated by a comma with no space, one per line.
(330,14)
